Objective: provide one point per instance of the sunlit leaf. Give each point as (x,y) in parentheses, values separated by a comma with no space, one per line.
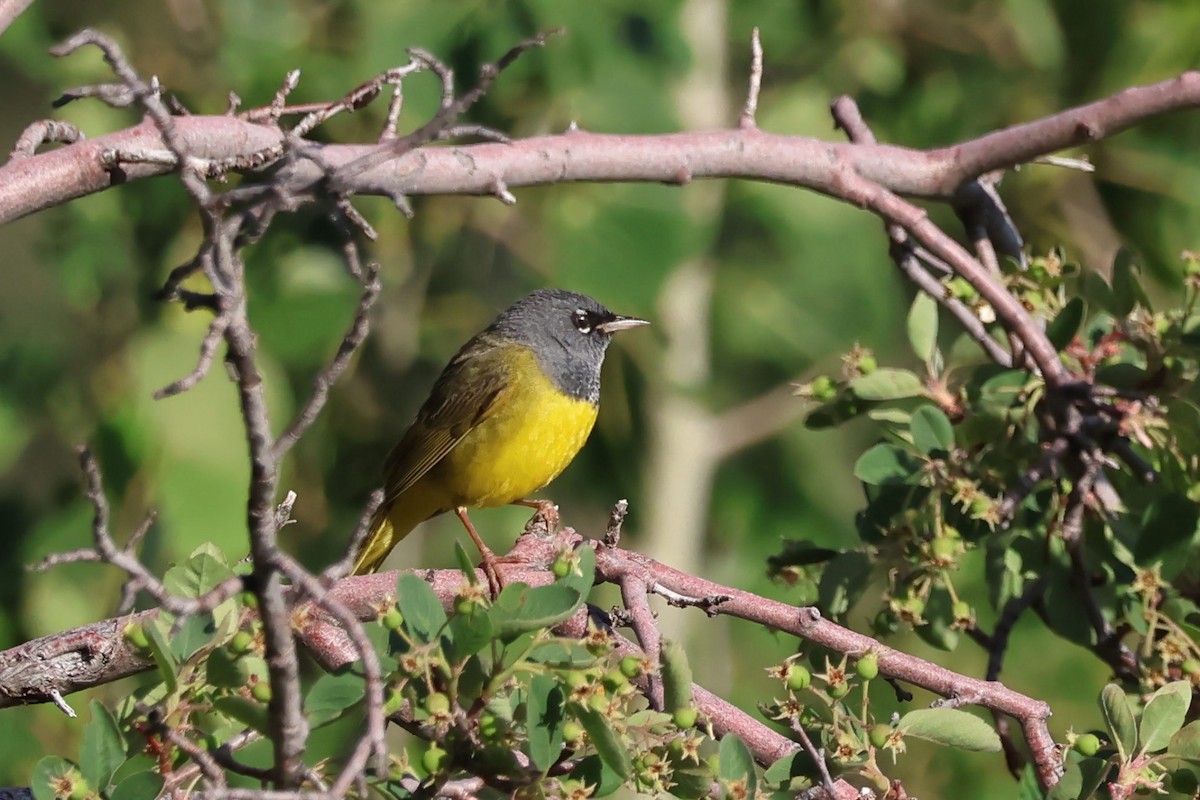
(1164,715)
(923,326)
(951,727)
(931,430)
(735,764)
(1119,716)
(103,748)
(544,721)
(419,605)
(887,384)
(884,464)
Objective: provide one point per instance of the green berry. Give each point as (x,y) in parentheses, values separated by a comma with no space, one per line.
(464,605)
(79,787)
(798,678)
(615,680)
(437,703)
(599,702)
(1190,666)
(576,679)
(241,642)
(261,692)
(879,734)
(393,619)
(961,610)
(867,667)
(839,690)
(685,717)
(943,548)
(822,388)
(561,566)
(867,365)
(631,667)
(1087,744)
(572,732)
(434,759)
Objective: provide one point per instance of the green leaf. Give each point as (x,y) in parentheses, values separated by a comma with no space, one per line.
(1186,742)
(884,464)
(1066,324)
(102,749)
(1093,773)
(595,771)
(735,764)
(224,671)
(1068,785)
(1028,788)
(1003,389)
(520,609)
(1119,716)
(467,635)
(843,582)
(1098,293)
(583,580)
(612,751)
(332,694)
(931,430)
(951,727)
(1127,290)
(939,611)
(196,632)
(887,384)
(1164,715)
(1169,523)
(201,573)
(419,605)
(689,781)
(139,786)
(676,676)
(161,653)
(46,771)
(544,720)
(788,770)
(923,326)
(244,710)
(465,563)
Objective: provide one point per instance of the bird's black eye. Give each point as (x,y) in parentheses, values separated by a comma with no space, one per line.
(582,320)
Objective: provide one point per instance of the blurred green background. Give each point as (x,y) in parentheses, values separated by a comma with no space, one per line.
(749,286)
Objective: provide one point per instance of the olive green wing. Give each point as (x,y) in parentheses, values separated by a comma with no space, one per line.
(465,394)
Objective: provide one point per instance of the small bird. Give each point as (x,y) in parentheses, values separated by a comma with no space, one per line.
(509,412)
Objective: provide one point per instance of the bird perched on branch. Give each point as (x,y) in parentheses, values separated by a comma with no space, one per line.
(509,412)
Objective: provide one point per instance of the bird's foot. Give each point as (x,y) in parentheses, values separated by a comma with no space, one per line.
(494,578)
(545,521)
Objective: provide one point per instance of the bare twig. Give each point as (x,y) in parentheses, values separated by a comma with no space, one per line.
(44,132)
(818,757)
(750,110)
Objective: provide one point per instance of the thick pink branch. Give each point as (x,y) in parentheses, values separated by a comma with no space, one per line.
(31,184)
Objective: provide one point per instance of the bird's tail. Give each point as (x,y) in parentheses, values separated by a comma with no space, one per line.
(379,542)
(391,523)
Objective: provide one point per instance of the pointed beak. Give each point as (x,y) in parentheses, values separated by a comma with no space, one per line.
(619,323)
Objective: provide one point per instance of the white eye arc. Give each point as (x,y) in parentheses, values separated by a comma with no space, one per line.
(582,320)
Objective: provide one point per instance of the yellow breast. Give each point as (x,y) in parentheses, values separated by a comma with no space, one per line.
(531,436)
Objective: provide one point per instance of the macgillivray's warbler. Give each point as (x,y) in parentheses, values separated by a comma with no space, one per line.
(509,412)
